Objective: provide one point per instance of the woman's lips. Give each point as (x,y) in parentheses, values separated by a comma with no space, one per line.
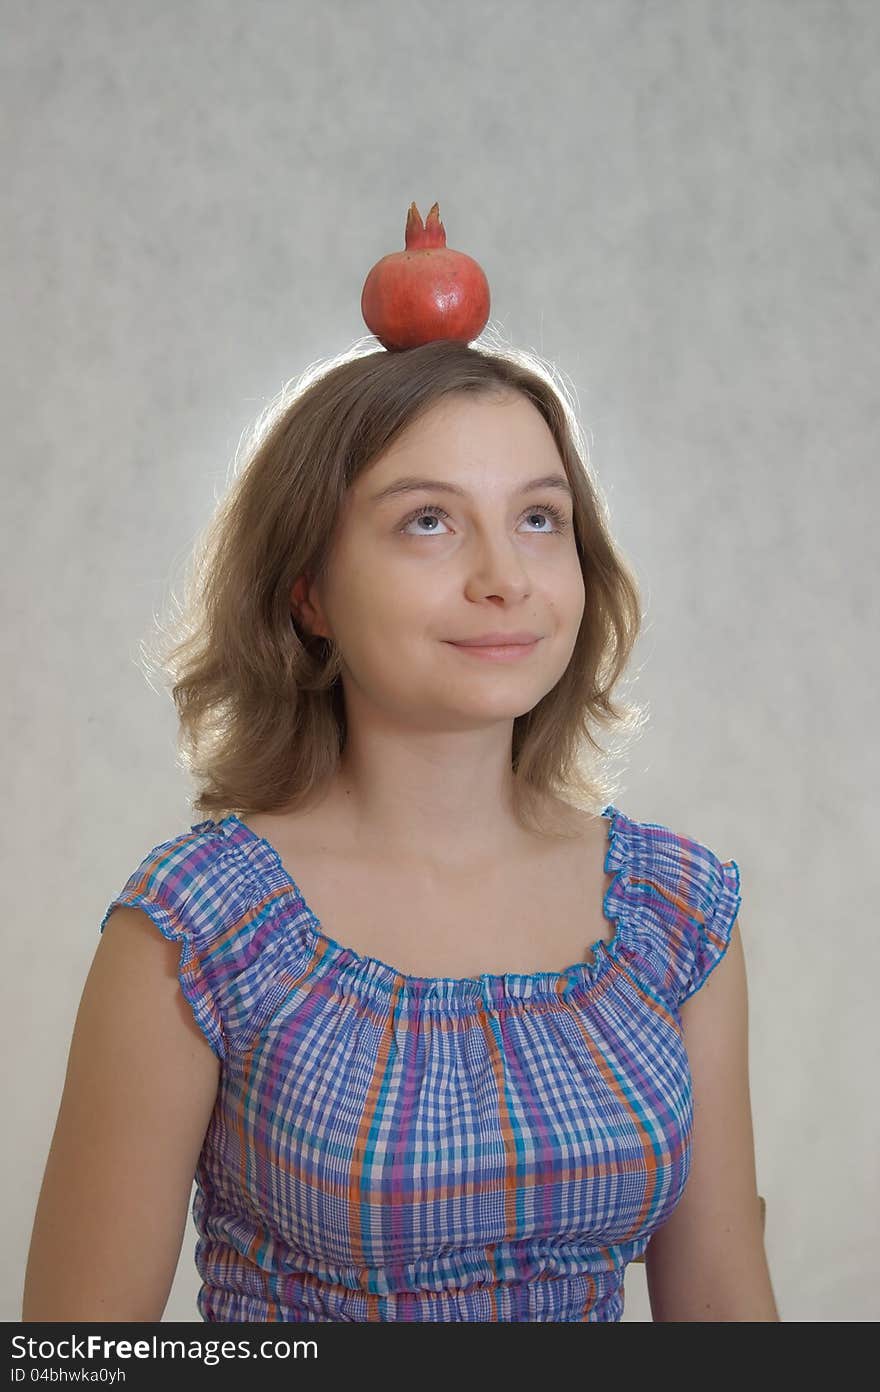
(507,653)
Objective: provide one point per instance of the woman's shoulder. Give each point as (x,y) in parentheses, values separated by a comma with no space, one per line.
(176,866)
(677,899)
(209,888)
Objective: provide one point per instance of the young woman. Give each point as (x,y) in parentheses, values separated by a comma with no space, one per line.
(440,1032)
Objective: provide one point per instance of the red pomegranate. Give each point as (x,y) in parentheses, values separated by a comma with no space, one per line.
(427,291)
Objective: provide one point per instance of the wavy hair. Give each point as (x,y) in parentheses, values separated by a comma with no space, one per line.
(260,701)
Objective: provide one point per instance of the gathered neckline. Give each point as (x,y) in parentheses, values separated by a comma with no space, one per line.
(371,970)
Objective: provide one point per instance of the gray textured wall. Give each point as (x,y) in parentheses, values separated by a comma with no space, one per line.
(676,203)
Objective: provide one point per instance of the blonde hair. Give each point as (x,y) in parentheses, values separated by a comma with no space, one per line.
(260,701)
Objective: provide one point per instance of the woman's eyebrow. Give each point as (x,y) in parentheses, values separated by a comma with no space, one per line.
(419,485)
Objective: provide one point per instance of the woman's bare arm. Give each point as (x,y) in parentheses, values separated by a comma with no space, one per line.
(139,1091)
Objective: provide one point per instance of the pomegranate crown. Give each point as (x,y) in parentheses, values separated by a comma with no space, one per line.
(420,235)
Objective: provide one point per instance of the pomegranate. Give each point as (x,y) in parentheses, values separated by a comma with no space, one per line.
(426,292)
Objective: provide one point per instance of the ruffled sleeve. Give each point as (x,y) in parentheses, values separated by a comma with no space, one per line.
(677,903)
(711,926)
(193,895)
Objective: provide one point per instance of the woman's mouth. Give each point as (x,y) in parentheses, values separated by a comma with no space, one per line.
(509,652)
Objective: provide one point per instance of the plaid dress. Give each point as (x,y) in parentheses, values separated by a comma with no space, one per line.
(391,1147)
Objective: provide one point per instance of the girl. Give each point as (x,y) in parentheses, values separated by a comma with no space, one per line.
(441,1033)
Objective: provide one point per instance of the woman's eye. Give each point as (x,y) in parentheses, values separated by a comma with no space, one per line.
(546,510)
(436,512)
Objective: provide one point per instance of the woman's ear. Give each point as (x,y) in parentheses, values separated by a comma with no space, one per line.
(302,608)
(299,593)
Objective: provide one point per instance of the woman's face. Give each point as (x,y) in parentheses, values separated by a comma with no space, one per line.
(401,588)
